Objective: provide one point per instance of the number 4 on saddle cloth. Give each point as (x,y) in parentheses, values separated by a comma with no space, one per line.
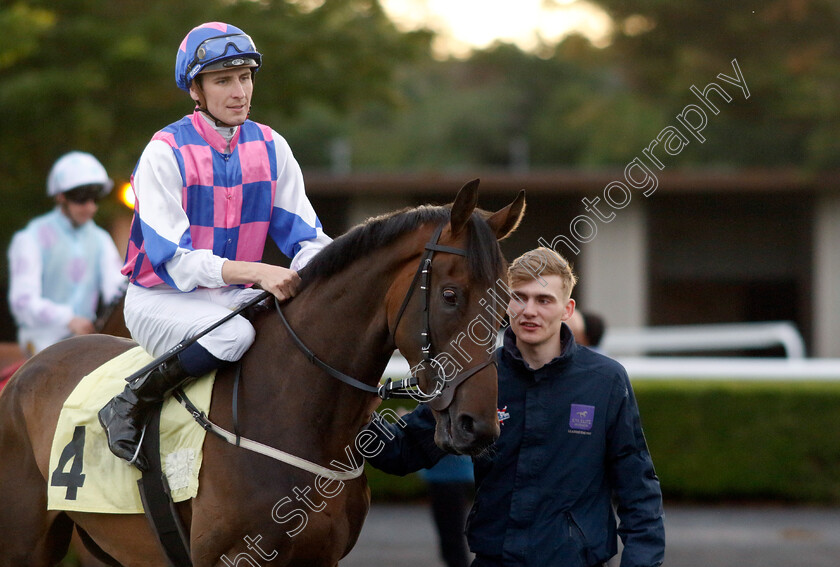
(86,477)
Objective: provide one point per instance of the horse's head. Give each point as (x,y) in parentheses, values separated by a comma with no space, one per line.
(445,315)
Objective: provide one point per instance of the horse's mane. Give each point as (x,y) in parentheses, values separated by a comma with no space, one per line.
(484,255)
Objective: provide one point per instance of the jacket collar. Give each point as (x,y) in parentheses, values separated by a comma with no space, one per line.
(567,340)
(213,134)
(65,224)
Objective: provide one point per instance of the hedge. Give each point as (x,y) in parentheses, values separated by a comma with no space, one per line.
(715,440)
(725,440)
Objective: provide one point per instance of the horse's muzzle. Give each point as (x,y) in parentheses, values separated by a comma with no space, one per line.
(465,434)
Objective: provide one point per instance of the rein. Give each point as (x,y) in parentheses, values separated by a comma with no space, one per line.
(438,400)
(444,391)
(389,389)
(235,438)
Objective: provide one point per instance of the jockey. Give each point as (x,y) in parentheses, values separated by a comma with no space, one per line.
(209,188)
(62,265)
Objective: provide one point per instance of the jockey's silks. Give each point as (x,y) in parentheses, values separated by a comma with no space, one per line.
(230,201)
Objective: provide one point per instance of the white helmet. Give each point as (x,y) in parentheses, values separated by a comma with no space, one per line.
(75,170)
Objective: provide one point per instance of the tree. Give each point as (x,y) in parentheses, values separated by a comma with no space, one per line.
(789,53)
(98,75)
(581,106)
(567,104)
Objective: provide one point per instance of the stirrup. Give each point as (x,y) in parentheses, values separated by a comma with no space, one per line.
(139,445)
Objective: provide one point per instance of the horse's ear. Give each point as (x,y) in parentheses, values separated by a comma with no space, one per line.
(505,221)
(463,207)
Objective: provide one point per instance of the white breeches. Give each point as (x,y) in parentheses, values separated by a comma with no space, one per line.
(161,317)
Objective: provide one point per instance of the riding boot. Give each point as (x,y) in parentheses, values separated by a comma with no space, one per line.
(124,417)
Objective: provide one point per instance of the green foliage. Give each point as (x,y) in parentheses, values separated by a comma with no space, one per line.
(389,488)
(386,487)
(465,114)
(743,440)
(98,76)
(22,27)
(788,51)
(581,106)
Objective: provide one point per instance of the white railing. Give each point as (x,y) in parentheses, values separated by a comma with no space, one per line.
(625,344)
(698,338)
(702,368)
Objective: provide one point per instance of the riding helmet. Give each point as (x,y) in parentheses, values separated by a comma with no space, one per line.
(77,169)
(213,46)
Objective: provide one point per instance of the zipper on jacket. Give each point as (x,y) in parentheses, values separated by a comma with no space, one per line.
(575,532)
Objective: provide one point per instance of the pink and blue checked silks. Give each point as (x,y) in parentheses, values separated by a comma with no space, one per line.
(202,199)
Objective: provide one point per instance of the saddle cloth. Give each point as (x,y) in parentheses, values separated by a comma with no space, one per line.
(85,476)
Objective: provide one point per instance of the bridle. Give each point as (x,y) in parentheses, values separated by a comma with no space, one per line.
(444,391)
(438,400)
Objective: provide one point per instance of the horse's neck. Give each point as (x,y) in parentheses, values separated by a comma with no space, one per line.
(349,312)
(343,321)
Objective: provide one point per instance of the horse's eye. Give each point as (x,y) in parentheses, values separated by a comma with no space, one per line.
(450,296)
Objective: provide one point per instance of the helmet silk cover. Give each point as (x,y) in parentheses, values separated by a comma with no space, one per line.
(210,46)
(76,169)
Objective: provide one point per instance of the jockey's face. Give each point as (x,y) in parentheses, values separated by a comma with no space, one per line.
(78,212)
(227,94)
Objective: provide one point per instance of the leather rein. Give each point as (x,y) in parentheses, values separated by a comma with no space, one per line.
(438,400)
(444,391)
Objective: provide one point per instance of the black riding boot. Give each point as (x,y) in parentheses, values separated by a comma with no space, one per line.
(125,415)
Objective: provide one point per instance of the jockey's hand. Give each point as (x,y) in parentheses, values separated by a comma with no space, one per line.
(279,281)
(80,326)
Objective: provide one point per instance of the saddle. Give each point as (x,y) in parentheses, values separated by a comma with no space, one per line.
(85,476)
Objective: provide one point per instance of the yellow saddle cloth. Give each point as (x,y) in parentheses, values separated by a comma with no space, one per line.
(86,477)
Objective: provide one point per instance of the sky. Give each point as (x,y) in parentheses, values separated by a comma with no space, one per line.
(465,24)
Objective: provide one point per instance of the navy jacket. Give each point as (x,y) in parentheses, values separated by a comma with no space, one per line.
(571,440)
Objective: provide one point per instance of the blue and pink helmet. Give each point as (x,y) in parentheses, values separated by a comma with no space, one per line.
(211,46)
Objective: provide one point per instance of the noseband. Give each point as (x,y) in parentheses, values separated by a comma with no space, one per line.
(444,391)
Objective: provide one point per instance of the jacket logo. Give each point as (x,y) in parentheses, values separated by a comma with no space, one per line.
(582,417)
(503,415)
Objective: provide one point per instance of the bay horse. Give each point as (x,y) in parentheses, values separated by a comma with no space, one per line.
(359,299)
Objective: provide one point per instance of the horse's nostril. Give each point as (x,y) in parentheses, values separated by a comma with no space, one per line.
(472,435)
(467,424)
